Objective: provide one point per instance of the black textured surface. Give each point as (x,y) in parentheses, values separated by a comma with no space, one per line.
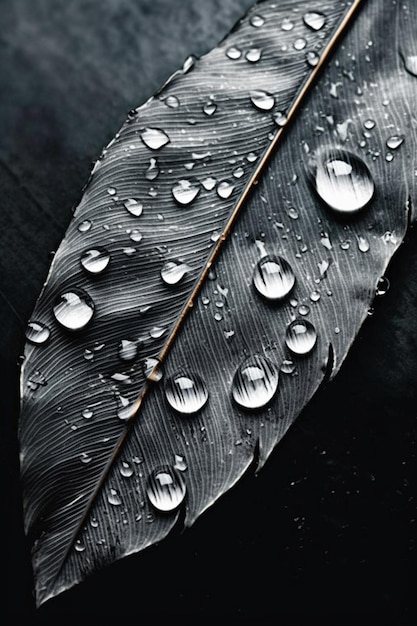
(332,510)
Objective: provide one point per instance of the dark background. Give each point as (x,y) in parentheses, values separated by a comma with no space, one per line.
(325,534)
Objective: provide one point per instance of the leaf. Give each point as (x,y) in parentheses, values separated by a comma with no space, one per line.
(137,255)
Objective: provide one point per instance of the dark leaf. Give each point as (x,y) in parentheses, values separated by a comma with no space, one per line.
(247,273)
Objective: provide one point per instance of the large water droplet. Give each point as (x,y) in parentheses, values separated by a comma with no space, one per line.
(173,272)
(262,100)
(74,309)
(273,277)
(301,337)
(37,333)
(314,20)
(187,394)
(133,206)
(343,181)
(184,192)
(154,138)
(95,261)
(255,382)
(166,489)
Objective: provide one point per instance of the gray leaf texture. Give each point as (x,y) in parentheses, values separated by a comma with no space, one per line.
(206,287)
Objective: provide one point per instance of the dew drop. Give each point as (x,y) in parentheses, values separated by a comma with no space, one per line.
(301,337)
(312,58)
(343,181)
(79,546)
(133,206)
(304,309)
(395,141)
(185,192)
(126,469)
(73,309)
(152,171)
(154,138)
(173,272)
(84,226)
(210,108)
(257,21)
(287,24)
(262,100)
(287,366)
(37,333)
(273,277)
(111,191)
(186,394)
(314,20)
(363,244)
(114,498)
(127,350)
(166,489)
(233,53)
(157,331)
(136,236)
(255,382)
(300,43)
(172,102)
(225,189)
(209,183)
(315,296)
(369,124)
(253,55)
(95,261)
(238,172)
(87,414)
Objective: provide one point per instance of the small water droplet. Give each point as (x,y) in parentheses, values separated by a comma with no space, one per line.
(114,498)
(312,58)
(186,394)
(87,413)
(325,241)
(233,53)
(273,277)
(251,158)
(304,309)
(363,244)
(210,108)
(287,366)
(111,191)
(166,489)
(73,309)
(136,236)
(301,337)
(95,261)
(293,213)
(152,171)
(395,141)
(85,458)
(173,272)
(253,55)
(255,382)
(369,124)
(343,181)
(300,43)
(37,333)
(389,157)
(287,24)
(280,118)
(79,546)
(180,463)
(127,350)
(185,192)
(257,21)
(225,189)
(154,138)
(382,286)
(315,296)
(84,226)
(262,100)
(238,172)
(126,469)
(314,20)
(157,331)
(209,183)
(410,63)
(172,102)
(152,369)
(133,206)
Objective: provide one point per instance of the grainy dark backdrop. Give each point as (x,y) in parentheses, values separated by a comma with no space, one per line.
(326,533)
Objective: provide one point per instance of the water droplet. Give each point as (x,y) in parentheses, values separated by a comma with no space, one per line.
(225,189)
(85,458)
(84,226)
(343,181)
(166,489)
(111,191)
(126,469)
(300,43)
(363,244)
(152,171)
(186,394)
(257,21)
(382,286)
(273,277)
(209,183)
(253,55)
(133,206)
(314,20)
(157,331)
(136,236)
(154,138)
(251,158)
(369,124)
(287,366)
(233,53)
(173,272)
(280,118)
(180,463)
(287,24)
(95,261)
(255,382)
(395,141)
(410,63)
(35,380)
(37,333)
(312,58)
(114,498)
(184,192)
(152,369)
(210,108)
(301,337)
(79,546)
(238,172)
(127,350)
(293,213)
(304,309)
(325,241)
(87,414)
(172,102)
(262,100)
(74,309)
(315,296)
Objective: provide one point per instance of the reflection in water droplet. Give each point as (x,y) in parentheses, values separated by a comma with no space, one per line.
(312,58)
(154,138)
(253,55)
(382,286)
(210,108)
(262,100)
(233,53)
(287,367)
(255,382)
(134,206)
(273,277)
(186,394)
(128,350)
(343,181)
(114,498)
(84,226)
(184,192)
(153,170)
(166,489)
(95,261)
(225,189)
(301,337)
(395,141)
(173,272)
(257,21)
(314,20)
(37,333)
(74,309)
